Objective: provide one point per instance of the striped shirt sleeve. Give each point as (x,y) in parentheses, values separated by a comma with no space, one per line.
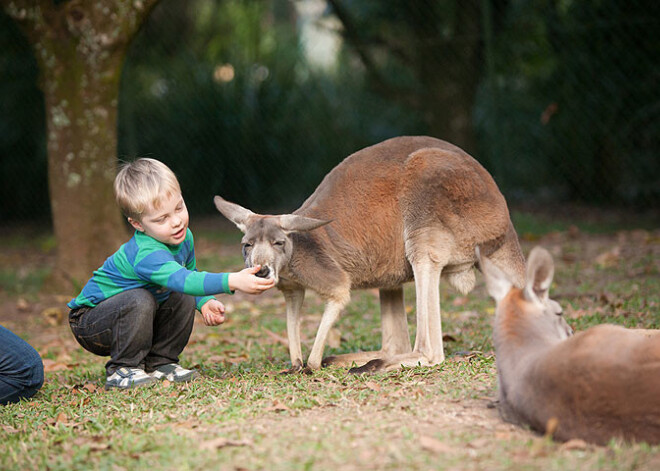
(159,267)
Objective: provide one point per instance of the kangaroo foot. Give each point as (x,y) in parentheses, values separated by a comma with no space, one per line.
(328,361)
(396,362)
(369,367)
(296,367)
(350,359)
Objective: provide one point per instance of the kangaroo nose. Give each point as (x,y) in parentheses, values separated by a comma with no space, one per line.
(263,273)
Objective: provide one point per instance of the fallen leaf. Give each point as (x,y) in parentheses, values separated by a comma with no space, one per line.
(53,315)
(278,406)
(96,443)
(9,428)
(575,444)
(222,442)
(610,299)
(435,446)
(609,259)
(52,365)
(373,385)
(460,301)
(187,424)
(237,359)
(22,304)
(479,443)
(99,446)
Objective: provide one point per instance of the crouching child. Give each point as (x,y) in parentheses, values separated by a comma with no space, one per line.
(139,306)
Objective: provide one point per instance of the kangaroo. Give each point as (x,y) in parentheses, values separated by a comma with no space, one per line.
(596,385)
(409,208)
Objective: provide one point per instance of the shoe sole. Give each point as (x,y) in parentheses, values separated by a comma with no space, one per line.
(177,380)
(132,386)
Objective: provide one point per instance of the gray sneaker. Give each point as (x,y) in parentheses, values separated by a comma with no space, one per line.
(128,378)
(173,372)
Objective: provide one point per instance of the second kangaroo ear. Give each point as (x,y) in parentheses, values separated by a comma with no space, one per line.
(498,283)
(293,223)
(540,271)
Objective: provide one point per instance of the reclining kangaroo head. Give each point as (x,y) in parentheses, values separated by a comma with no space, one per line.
(532,303)
(267,239)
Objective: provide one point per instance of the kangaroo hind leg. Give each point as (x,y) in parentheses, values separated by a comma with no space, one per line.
(428,350)
(394,329)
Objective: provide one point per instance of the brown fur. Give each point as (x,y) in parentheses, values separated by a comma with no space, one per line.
(597,385)
(409,208)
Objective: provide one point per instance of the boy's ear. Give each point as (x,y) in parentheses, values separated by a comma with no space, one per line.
(136,224)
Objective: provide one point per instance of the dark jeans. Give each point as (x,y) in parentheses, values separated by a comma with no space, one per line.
(21,368)
(134,330)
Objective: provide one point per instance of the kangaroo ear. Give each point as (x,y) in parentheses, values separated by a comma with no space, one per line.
(498,283)
(292,223)
(540,271)
(235,213)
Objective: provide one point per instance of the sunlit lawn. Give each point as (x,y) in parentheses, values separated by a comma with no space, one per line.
(244,414)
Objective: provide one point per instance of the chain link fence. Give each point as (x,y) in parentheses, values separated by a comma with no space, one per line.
(257,100)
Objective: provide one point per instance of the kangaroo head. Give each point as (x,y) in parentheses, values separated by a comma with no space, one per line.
(533,300)
(267,239)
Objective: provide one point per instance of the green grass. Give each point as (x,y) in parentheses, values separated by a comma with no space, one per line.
(597,221)
(22,283)
(244,414)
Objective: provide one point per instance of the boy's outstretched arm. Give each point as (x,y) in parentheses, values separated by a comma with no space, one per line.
(246,281)
(213,311)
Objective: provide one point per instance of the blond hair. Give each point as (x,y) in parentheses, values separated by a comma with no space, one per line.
(143,184)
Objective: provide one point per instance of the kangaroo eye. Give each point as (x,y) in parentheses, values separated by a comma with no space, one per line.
(278,243)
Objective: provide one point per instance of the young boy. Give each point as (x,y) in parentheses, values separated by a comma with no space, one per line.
(139,307)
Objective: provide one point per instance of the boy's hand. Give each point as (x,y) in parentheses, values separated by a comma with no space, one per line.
(213,312)
(246,281)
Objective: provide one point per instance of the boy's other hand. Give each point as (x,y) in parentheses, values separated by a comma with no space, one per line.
(246,281)
(213,312)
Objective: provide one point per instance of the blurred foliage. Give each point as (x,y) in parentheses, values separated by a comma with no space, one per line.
(570,108)
(237,110)
(557,98)
(23,177)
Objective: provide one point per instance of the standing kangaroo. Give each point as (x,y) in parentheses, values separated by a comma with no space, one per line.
(596,385)
(407,208)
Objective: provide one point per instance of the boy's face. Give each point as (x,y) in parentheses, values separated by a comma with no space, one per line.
(168,223)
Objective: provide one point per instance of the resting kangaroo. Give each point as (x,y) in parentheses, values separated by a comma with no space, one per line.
(596,385)
(407,208)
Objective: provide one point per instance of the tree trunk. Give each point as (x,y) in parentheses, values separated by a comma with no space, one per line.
(449,70)
(80,47)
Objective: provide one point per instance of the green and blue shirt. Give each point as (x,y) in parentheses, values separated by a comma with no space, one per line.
(144,262)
